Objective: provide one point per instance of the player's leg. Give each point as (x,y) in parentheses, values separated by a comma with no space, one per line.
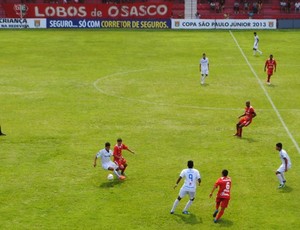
(240,130)
(202,78)
(220,214)
(182,193)
(189,203)
(237,129)
(176,202)
(1,134)
(113,167)
(254,51)
(283,178)
(224,205)
(279,173)
(218,202)
(124,166)
(269,78)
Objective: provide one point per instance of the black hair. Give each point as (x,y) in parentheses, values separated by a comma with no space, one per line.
(107,144)
(190,164)
(225,172)
(119,139)
(279,145)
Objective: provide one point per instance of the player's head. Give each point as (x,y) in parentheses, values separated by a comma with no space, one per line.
(254,33)
(119,140)
(271,56)
(279,146)
(107,145)
(190,164)
(248,103)
(203,55)
(225,172)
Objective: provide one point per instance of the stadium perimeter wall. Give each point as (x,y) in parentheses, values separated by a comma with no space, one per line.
(132,16)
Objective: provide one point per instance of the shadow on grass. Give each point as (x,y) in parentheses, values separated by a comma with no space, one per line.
(111,184)
(286,189)
(189,219)
(248,139)
(224,223)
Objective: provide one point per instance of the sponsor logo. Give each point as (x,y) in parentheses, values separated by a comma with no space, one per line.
(271,24)
(37,23)
(138,11)
(20,9)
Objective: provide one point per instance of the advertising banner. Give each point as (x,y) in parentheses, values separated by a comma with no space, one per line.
(19,23)
(89,23)
(89,11)
(223,24)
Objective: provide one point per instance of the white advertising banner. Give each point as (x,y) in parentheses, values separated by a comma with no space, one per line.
(22,23)
(223,24)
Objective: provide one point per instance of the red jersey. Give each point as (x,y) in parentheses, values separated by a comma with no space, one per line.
(270,65)
(224,184)
(249,112)
(118,151)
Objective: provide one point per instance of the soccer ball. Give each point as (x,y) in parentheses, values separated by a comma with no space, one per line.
(110,177)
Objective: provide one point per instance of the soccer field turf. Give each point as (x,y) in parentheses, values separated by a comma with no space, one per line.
(64,93)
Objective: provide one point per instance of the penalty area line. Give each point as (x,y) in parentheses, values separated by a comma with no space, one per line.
(266,94)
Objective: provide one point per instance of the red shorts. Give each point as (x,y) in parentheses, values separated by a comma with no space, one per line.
(245,121)
(120,163)
(224,202)
(270,72)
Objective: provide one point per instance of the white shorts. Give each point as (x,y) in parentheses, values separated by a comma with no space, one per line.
(204,71)
(183,192)
(109,164)
(281,168)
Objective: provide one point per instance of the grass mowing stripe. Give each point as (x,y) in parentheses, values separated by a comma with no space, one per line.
(267,94)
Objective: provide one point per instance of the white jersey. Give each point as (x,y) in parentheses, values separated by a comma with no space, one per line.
(204,63)
(191,177)
(105,156)
(256,40)
(283,154)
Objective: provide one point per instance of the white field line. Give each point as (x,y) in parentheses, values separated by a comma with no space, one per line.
(96,83)
(267,94)
(112,94)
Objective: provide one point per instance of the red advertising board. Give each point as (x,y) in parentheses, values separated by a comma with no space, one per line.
(99,11)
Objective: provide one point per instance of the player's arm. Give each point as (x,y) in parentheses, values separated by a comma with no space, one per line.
(199,181)
(212,191)
(199,67)
(178,180)
(242,115)
(130,150)
(286,164)
(265,66)
(275,65)
(253,114)
(95,161)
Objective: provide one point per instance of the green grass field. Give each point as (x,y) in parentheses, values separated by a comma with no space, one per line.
(64,93)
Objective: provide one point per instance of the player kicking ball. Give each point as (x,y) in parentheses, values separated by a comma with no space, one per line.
(107,164)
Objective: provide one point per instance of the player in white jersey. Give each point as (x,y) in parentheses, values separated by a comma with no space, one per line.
(255,45)
(285,165)
(107,164)
(203,68)
(191,176)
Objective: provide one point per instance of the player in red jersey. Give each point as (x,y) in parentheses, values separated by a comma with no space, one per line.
(118,157)
(270,65)
(245,119)
(223,196)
